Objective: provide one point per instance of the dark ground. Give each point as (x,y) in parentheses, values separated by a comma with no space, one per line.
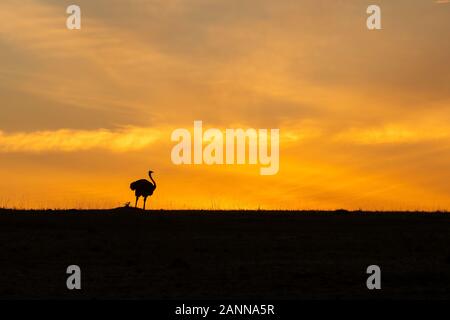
(125,253)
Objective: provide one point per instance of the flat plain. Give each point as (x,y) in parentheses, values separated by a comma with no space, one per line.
(132,254)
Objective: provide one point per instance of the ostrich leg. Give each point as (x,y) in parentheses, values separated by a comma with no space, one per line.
(145,200)
(135,205)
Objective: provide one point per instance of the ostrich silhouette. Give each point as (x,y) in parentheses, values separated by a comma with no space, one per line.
(143,188)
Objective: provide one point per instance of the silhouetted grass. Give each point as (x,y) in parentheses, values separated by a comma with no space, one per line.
(126,210)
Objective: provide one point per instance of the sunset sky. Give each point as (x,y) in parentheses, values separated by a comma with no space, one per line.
(364,116)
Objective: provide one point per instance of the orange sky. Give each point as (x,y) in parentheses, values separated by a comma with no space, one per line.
(364,116)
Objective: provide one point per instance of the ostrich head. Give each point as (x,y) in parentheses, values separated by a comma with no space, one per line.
(151,178)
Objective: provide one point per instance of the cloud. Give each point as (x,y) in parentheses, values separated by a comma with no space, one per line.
(119,140)
(98,68)
(392,134)
(66,140)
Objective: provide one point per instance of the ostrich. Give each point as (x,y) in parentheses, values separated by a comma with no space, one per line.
(143,188)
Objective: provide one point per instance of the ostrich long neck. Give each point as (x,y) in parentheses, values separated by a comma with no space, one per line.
(151,178)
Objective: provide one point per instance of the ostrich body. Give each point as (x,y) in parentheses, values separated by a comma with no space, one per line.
(143,188)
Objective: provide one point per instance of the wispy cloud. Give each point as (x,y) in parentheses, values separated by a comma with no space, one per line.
(392,134)
(77,68)
(66,140)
